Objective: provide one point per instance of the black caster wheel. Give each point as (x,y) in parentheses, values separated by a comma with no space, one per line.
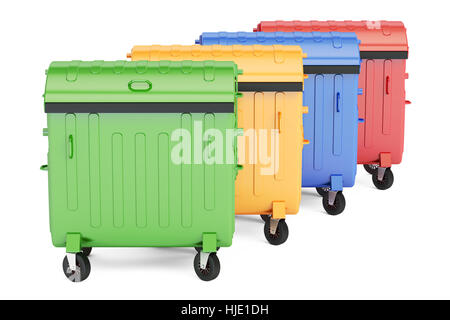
(212,269)
(338,206)
(265,217)
(371,168)
(322,191)
(82,271)
(280,236)
(386,183)
(199,249)
(86,251)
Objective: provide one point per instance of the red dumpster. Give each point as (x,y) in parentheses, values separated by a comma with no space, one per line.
(384,50)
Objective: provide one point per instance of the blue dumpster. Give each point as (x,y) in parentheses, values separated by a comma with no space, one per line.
(330,92)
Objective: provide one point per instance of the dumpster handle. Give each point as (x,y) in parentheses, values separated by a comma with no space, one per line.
(387,84)
(139,85)
(279,122)
(338,98)
(44,167)
(70,146)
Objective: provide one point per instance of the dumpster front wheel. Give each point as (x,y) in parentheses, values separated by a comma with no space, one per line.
(211,270)
(281,234)
(386,182)
(82,270)
(337,207)
(265,217)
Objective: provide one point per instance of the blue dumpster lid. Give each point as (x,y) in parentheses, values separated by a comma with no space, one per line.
(327,52)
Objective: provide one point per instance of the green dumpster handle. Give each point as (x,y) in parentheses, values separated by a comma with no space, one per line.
(70,146)
(44,167)
(139,85)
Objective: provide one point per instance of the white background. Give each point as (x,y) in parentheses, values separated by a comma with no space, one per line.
(391,244)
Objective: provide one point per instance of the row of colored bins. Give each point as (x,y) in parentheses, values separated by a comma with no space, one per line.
(384,50)
(113,181)
(332,67)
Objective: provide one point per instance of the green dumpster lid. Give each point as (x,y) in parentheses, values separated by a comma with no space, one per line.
(141,86)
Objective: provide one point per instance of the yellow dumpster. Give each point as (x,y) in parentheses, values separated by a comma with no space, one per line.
(271,113)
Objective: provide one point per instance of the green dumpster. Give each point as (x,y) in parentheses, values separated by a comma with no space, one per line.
(141,155)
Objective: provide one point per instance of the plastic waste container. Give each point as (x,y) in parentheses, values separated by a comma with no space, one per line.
(332,67)
(118,173)
(270,112)
(384,50)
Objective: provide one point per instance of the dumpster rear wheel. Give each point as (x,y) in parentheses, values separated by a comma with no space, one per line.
(212,269)
(83,268)
(322,191)
(86,251)
(371,168)
(199,249)
(337,207)
(386,183)
(265,217)
(281,234)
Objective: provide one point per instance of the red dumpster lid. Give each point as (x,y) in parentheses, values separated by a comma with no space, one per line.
(375,36)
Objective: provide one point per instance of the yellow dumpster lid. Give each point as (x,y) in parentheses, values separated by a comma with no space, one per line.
(260,64)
